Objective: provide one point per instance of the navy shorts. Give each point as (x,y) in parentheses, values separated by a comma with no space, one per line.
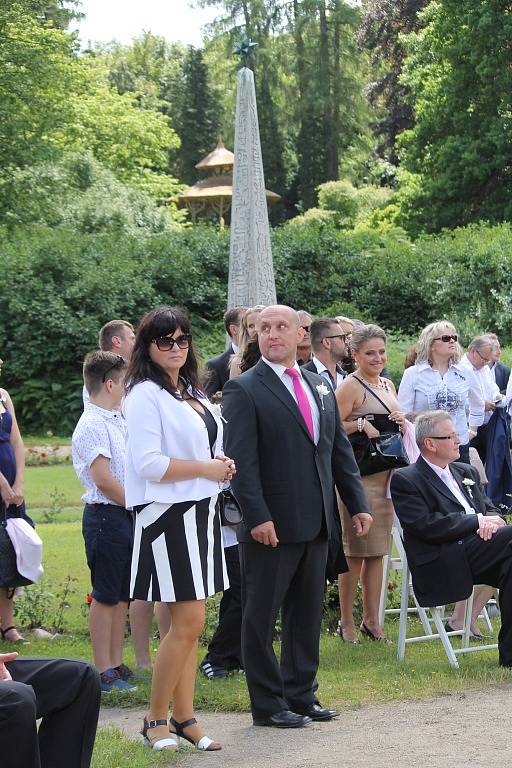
(108,534)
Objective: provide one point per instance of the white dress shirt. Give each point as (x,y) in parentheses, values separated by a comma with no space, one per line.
(424,389)
(322,371)
(99,432)
(488,387)
(448,479)
(287,380)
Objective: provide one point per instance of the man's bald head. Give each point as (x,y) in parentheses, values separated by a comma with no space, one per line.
(278,334)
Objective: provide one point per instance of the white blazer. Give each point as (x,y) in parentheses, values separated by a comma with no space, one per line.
(160,429)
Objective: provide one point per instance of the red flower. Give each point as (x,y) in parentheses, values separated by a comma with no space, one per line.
(88,599)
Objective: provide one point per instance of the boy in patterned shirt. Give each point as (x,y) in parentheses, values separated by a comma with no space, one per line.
(98,446)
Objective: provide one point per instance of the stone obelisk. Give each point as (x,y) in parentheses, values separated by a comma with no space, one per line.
(251,271)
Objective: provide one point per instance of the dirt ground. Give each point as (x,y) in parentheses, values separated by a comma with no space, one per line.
(468,729)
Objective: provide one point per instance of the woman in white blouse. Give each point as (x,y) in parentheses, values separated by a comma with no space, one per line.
(174,465)
(438,382)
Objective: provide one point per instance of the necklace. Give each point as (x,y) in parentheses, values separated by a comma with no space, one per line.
(382,383)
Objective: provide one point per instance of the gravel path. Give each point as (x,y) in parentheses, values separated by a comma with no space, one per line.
(468,729)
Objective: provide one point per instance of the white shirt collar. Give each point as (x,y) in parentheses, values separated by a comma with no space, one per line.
(440,471)
(280,369)
(106,413)
(319,365)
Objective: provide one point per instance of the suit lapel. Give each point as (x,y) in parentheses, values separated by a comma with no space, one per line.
(459,477)
(272,382)
(436,481)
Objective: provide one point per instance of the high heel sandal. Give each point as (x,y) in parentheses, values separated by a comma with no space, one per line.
(159,744)
(205,744)
(369,634)
(3,632)
(339,631)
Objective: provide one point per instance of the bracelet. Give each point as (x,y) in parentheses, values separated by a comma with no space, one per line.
(360,424)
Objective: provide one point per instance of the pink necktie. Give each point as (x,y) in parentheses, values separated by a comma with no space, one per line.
(302,400)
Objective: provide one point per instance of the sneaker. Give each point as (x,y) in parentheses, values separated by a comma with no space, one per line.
(211,672)
(110,681)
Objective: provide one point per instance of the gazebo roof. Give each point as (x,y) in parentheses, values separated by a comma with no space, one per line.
(220,157)
(216,187)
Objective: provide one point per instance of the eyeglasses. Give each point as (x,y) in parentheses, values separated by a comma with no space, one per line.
(306,328)
(165,343)
(118,364)
(453,436)
(485,359)
(447,337)
(337,336)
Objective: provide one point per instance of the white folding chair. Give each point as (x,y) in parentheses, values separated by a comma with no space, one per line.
(436,615)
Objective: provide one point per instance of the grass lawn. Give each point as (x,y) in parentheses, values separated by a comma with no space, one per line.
(44,485)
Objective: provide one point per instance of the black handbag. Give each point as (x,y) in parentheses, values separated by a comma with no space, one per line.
(378,454)
(10,577)
(230,510)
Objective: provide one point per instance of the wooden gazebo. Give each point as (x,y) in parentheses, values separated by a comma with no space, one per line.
(215,192)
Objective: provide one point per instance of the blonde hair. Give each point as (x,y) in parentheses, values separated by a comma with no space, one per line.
(427,338)
(363,333)
(244,336)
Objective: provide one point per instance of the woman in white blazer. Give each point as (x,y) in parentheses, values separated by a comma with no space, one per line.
(174,466)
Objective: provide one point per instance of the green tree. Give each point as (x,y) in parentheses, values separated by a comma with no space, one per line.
(458,155)
(38,70)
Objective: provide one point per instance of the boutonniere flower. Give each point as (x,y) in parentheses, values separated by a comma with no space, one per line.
(322,392)
(468,484)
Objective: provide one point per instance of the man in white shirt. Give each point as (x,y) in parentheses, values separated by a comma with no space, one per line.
(328,342)
(477,358)
(453,535)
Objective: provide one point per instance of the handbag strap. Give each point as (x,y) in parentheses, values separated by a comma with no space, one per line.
(372,393)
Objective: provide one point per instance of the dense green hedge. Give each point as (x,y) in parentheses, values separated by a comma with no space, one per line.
(59,287)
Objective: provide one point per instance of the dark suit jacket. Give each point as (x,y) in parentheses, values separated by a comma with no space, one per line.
(502,373)
(281,474)
(435,526)
(312,367)
(218,372)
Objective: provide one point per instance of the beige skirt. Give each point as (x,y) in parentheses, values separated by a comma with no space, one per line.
(378,540)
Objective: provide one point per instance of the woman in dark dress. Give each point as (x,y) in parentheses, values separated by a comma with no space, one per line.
(12,467)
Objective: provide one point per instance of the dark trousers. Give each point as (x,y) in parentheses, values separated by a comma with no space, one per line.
(480,442)
(491,563)
(224,649)
(290,578)
(65,693)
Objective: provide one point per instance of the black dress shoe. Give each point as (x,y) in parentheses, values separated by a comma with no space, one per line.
(317,712)
(284,719)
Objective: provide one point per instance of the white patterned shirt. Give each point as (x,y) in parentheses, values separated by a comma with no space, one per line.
(424,389)
(99,432)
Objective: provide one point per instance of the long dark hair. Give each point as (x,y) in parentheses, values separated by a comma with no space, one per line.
(161,322)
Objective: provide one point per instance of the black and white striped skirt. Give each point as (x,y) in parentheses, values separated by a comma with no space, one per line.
(178,552)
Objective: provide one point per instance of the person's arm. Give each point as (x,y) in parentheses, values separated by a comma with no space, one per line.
(476,402)
(241,443)
(4,659)
(347,395)
(406,393)
(19,453)
(105,481)
(417,517)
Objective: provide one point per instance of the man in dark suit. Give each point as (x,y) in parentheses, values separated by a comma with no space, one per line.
(284,432)
(218,367)
(499,371)
(453,535)
(328,343)
(65,693)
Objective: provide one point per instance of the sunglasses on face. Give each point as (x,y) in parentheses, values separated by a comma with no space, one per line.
(447,337)
(336,336)
(306,328)
(165,343)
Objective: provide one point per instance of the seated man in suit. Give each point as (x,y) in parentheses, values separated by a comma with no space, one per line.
(65,693)
(453,535)
(218,367)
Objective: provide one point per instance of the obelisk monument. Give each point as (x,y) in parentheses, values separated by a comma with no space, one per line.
(251,271)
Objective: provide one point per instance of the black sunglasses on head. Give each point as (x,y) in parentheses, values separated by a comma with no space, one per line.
(165,343)
(447,337)
(118,364)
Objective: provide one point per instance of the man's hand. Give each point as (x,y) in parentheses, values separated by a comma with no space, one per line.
(490,405)
(4,658)
(488,525)
(265,534)
(362,523)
